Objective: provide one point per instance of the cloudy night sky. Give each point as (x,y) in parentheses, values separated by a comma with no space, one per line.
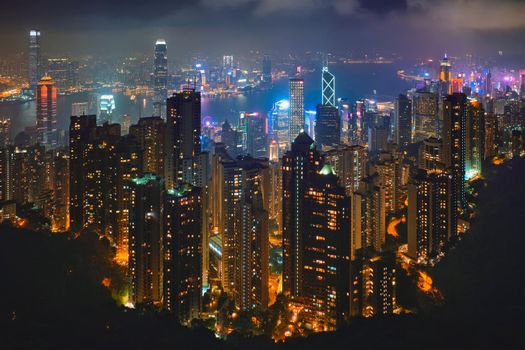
(409,27)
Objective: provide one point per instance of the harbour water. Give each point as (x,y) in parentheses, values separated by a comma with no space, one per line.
(353,81)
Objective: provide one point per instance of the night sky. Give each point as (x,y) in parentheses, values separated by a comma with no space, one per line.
(408,27)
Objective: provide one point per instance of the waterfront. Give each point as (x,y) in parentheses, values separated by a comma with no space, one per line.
(353,81)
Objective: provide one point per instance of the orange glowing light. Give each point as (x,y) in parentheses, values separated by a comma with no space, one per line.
(392,229)
(424,282)
(106,282)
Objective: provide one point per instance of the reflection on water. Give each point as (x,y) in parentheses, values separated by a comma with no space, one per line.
(352,81)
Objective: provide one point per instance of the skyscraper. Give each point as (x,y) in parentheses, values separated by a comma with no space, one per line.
(35,70)
(160,76)
(46,113)
(454,143)
(403,121)
(267,70)
(296,108)
(432,217)
(79,108)
(368,216)
(445,74)
(150,133)
(184,131)
(474,138)
(245,235)
(256,135)
(300,163)
(182,252)
(327,126)
(349,164)
(328,86)
(425,115)
(145,238)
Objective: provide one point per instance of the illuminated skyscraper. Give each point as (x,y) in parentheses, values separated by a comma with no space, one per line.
(454,143)
(256,135)
(182,252)
(160,76)
(5,132)
(368,216)
(474,138)
(145,239)
(389,167)
(35,69)
(245,235)
(373,284)
(46,113)
(430,156)
(328,87)
(184,131)
(327,126)
(349,164)
(279,125)
(150,133)
(432,217)
(445,74)
(300,163)
(296,108)
(425,115)
(403,121)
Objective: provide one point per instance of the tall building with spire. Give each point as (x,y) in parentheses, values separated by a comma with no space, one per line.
(35,69)
(328,86)
(445,74)
(296,107)
(160,76)
(46,113)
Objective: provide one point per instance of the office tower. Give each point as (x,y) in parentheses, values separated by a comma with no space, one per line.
(389,167)
(64,73)
(129,158)
(279,125)
(5,132)
(373,285)
(454,143)
(35,69)
(430,157)
(219,156)
(327,126)
(46,112)
(184,131)
(432,217)
(150,132)
(296,108)
(256,135)
(368,216)
(145,239)
(346,121)
(182,251)
(325,243)
(79,108)
(474,139)
(267,70)
(377,138)
(106,106)
(425,121)
(300,163)
(445,74)
(245,236)
(160,76)
(403,121)
(349,164)
(232,140)
(327,86)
